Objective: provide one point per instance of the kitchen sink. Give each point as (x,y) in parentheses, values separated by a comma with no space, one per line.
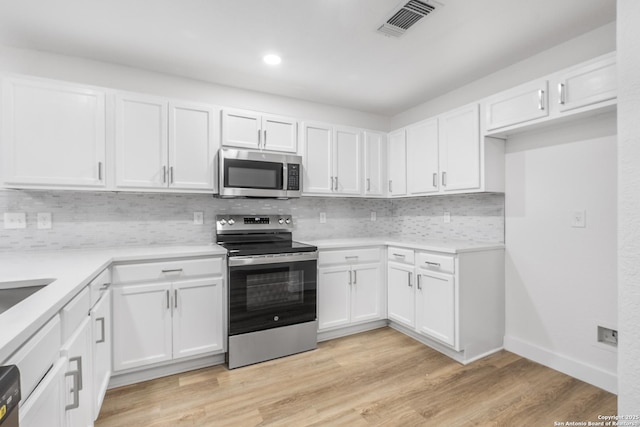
(11,293)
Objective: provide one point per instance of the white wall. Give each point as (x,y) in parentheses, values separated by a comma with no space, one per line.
(629,205)
(561,280)
(60,67)
(597,42)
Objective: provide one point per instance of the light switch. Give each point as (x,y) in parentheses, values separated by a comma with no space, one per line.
(578,219)
(198,218)
(323,217)
(373,216)
(446,217)
(44,220)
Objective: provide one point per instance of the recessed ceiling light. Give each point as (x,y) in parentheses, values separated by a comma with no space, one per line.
(272,59)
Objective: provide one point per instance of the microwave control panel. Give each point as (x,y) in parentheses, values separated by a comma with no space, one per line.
(293,176)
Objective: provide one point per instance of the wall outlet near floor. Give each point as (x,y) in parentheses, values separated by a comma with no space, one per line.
(198,218)
(608,336)
(15,220)
(373,216)
(446,217)
(323,217)
(44,220)
(578,219)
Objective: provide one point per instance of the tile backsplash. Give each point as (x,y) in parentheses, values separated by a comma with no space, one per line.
(102,219)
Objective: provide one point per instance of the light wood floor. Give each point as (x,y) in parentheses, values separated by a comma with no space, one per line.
(375,378)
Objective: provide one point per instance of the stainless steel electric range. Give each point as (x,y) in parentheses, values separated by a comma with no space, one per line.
(272,288)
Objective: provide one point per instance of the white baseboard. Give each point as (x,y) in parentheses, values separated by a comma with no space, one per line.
(590,374)
(350,330)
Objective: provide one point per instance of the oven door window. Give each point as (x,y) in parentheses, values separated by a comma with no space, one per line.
(253,174)
(271,295)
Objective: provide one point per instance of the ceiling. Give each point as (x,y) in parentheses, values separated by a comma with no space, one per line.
(330,50)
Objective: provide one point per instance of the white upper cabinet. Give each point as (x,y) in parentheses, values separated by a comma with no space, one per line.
(520,104)
(397,164)
(587,84)
(332,159)
(162,144)
(459,143)
(248,129)
(53,134)
(422,158)
(374,163)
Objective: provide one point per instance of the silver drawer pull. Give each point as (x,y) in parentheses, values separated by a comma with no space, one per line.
(351,256)
(104,286)
(172,270)
(399,255)
(435,264)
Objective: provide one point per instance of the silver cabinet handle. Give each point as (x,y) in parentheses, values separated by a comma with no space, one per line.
(175,298)
(444,179)
(350,280)
(435,264)
(390,187)
(399,255)
(540,99)
(409,276)
(168,305)
(419,286)
(172,270)
(164,174)
(99,171)
(75,390)
(264,143)
(355,277)
(104,287)
(331,183)
(561,99)
(171,175)
(368,184)
(435,179)
(102,337)
(78,360)
(259,139)
(336,183)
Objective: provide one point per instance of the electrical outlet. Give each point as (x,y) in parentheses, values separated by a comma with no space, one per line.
(446,217)
(608,336)
(15,220)
(44,220)
(198,218)
(373,216)
(578,219)
(323,217)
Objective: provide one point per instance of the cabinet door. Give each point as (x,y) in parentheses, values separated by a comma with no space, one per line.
(397,170)
(400,294)
(241,129)
(141,325)
(317,158)
(348,156)
(141,142)
(435,303)
(374,167)
(460,149)
(422,158)
(53,134)
(517,105)
(79,376)
(102,347)
(45,406)
(192,149)
(588,85)
(366,293)
(279,133)
(333,297)
(197,317)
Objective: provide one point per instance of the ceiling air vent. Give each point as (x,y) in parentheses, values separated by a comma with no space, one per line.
(404,17)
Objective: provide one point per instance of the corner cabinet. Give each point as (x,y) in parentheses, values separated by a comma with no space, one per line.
(53,134)
(167,310)
(162,144)
(257,131)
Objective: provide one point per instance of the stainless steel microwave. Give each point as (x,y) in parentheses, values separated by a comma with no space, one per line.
(249,173)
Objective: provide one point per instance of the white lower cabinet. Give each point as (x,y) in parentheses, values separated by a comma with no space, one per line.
(436,305)
(166,316)
(350,287)
(400,287)
(45,406)
(102,345)
(78,390)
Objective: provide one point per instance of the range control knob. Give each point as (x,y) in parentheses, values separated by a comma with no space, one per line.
(223,221)
(281,221)
(231,221)
(288,220)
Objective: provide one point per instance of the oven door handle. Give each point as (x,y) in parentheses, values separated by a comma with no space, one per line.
(271,259)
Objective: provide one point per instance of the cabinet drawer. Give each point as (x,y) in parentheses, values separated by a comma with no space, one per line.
(167,270)
(435,262)
(405,256)
(36,356)
(99,285)
(350,256)
(75,312)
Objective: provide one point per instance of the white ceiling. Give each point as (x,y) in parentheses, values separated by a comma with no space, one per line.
(331,52)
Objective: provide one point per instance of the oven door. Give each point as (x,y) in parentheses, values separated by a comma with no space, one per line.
(271,291)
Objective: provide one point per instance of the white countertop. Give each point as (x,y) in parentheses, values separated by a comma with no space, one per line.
(73,270)
(446,246)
